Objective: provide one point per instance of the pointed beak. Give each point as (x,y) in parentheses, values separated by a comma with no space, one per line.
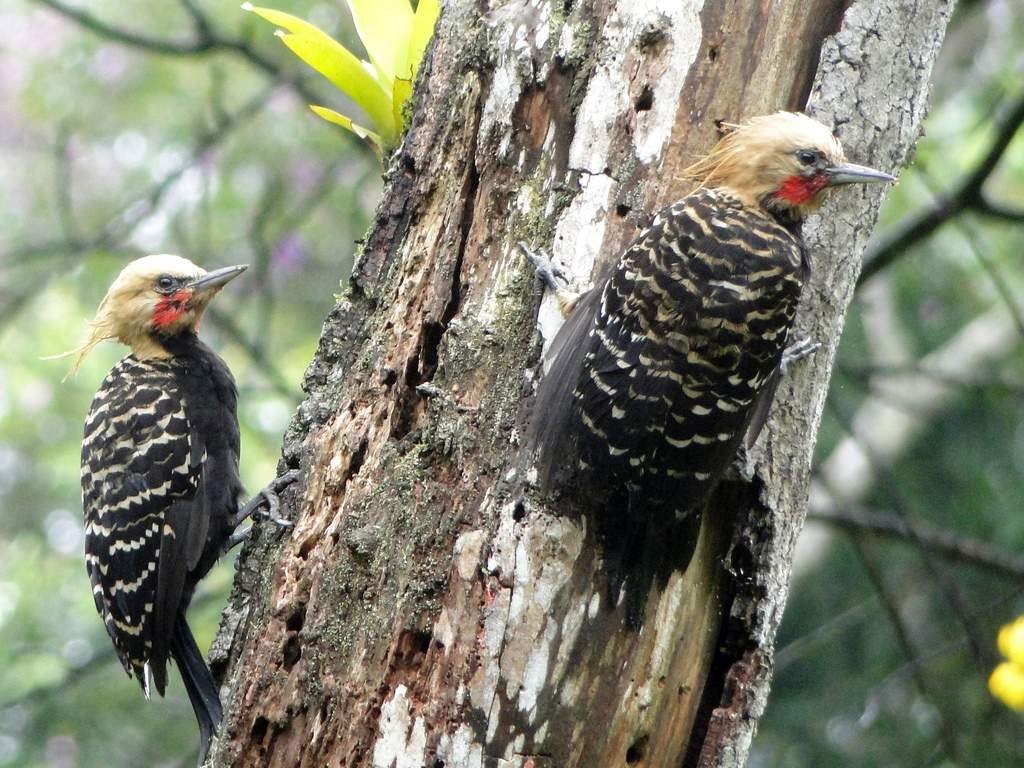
(218,278)
(848,173)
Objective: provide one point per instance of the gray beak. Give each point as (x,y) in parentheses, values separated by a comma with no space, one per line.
(217,278)
(848,173)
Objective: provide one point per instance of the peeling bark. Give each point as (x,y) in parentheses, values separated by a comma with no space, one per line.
(427,609)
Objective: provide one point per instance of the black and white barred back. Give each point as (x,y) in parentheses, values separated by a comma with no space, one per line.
(658,372)
(159,487)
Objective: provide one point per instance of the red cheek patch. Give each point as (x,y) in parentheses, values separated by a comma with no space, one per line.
(799,189)
(171,308)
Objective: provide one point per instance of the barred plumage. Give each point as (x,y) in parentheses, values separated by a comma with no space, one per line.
(160,484)
(137,459)
(689,327)
(660,371)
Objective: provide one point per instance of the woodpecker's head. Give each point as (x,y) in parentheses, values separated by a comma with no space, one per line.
(784,162)
(154,298)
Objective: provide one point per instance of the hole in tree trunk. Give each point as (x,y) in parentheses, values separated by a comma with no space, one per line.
(259,728)
(635,753)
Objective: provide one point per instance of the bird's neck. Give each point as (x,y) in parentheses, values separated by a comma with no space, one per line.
(788,216)
(158,346)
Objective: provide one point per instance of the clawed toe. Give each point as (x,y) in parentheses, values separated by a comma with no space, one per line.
(549,272)
(265,505)
(797,351)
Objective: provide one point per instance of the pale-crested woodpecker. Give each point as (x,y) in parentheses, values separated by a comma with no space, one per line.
(160,482)
(660,370)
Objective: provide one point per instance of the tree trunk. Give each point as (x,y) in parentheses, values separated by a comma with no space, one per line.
(427,608)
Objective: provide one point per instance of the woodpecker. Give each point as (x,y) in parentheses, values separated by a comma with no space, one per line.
(160,482)
(660,370)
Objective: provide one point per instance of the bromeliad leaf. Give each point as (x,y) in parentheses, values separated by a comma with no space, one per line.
(422,30)
(337,64)
(385,27)
(395,39)
(371,138)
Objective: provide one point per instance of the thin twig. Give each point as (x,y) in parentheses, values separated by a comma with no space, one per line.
(967,193)
(941,542)
(910,653)
(207,40)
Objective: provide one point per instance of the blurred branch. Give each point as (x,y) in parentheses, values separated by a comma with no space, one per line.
(939,577)
(965,194)
(226,324)
(113,234)
(936,540)
(864,372)
(262,243)
(998,210)
(269,201)
(798,648)
(848,473)
(63,183)
(999,283)
(206,39)
(888,601)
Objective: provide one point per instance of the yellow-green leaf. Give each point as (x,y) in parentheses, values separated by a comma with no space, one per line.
(341,67)
(344,121)
(293,24)
(384,27)
(400,95)
(422,30)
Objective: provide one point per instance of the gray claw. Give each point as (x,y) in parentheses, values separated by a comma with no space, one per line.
(549,272)
(268,497)
(797,351)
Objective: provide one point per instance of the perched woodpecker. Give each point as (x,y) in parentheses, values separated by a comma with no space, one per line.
(660,370)
(160,483)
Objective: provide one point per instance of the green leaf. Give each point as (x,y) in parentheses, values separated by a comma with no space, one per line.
(422,30)
(395,39)
(400,95)
(384,27)
(293,24)
(344,121)
(337,64)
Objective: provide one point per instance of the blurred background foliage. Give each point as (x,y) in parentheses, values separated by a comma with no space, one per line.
(110,150)
(131,126)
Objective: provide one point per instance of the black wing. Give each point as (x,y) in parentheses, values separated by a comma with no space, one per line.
(664,369)
(141,474)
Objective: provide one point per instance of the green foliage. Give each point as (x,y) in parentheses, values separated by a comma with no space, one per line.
(274,191)
(395,38)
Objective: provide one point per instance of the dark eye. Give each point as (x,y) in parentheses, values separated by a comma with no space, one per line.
(807,156)
(165,282)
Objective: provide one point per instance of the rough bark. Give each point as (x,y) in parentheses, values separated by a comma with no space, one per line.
(427,609)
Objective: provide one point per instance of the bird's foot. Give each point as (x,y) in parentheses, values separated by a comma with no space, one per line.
(797,351)
(552,275)
(265,505)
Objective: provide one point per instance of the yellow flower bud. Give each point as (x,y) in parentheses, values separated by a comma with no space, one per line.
(1011,641)
(1007,684)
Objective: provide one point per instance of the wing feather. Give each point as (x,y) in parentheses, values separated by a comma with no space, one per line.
(139,480)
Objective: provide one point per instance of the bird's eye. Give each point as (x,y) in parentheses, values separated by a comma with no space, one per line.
(165,282)
(807,156)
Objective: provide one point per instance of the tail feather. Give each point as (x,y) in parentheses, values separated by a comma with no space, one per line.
(199,683)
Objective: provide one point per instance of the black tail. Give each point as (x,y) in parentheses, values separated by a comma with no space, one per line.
(644,547)
(199,682)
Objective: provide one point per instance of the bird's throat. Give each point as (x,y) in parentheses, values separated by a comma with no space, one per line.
(800,190)
(170,309)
